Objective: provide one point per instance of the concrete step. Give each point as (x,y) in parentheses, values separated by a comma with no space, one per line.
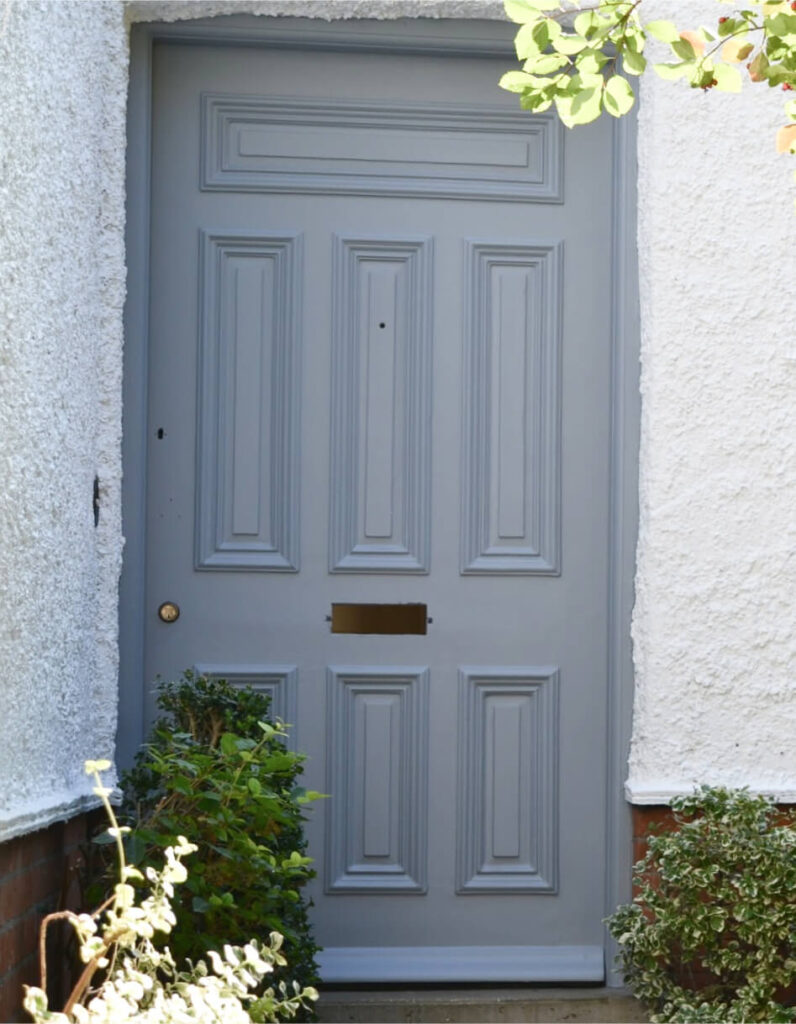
(516,1005)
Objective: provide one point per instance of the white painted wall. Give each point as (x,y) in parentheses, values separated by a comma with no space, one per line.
(62,135)
(713,627)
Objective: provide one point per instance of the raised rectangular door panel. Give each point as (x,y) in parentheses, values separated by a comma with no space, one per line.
(511,408)
(249,403)
(289,144)
(377,740)
(508,780)
(380,480)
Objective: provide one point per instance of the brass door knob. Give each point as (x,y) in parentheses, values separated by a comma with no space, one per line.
(169,612)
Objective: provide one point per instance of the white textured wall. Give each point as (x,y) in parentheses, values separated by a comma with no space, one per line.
(715,620)
(62,96)
(713,627)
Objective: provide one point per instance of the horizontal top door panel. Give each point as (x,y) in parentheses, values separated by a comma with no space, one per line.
(298,145)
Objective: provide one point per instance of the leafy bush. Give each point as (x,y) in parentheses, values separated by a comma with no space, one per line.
(142,983)
(711,934)
(217,771)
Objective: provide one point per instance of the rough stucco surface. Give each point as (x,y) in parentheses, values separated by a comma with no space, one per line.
(328,10)
(713,627)
(62,134)
(714,630)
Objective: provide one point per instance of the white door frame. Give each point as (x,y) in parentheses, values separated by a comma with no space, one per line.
(423,36)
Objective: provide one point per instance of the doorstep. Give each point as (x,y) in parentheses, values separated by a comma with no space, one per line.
(516,1005)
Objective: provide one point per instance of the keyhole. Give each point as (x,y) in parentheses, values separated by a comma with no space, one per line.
(161,433)
(382,326)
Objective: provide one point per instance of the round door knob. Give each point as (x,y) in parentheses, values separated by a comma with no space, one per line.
(169,612)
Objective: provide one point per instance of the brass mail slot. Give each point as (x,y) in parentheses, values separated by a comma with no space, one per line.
(379,618)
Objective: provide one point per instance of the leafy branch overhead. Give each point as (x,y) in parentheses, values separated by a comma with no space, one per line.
(582,56)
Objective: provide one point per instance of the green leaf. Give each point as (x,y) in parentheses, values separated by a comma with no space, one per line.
(308,795)
(524,42)
(758,67)
(634,63)
(229,744)
(520,10)
(535,102)
(569,44)
(591,61)
(730,26)
(513,81)
(672,71)
(703,75)
(528,10)
(619,96)
(728,79)
(181,785)
(683,49)
(587,22)
(663,30)
(546,63)
(586,106)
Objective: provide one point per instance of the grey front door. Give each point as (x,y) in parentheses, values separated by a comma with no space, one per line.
(379,374)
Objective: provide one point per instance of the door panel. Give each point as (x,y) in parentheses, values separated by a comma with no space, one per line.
(510,409)
(248,455)
(301,454)
(381,404)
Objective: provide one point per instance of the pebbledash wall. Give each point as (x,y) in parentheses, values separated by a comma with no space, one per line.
(713,627)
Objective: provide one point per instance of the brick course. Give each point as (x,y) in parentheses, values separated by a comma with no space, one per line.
(39,873)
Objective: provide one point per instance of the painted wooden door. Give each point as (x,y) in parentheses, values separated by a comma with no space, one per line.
(379,375)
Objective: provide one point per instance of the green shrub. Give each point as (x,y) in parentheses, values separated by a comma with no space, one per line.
(217,771)
(711,934)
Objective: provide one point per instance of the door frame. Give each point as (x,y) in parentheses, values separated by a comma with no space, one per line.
(437,37)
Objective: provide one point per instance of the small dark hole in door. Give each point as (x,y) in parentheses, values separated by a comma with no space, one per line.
(380,618)
(382,325)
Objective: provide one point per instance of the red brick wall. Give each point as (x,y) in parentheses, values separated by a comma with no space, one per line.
(661,816)
(38,874)
(663,819)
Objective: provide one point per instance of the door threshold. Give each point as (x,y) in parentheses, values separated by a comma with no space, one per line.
(470,1004)
(441,965)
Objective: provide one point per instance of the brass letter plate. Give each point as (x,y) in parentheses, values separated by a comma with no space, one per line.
(379,618)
